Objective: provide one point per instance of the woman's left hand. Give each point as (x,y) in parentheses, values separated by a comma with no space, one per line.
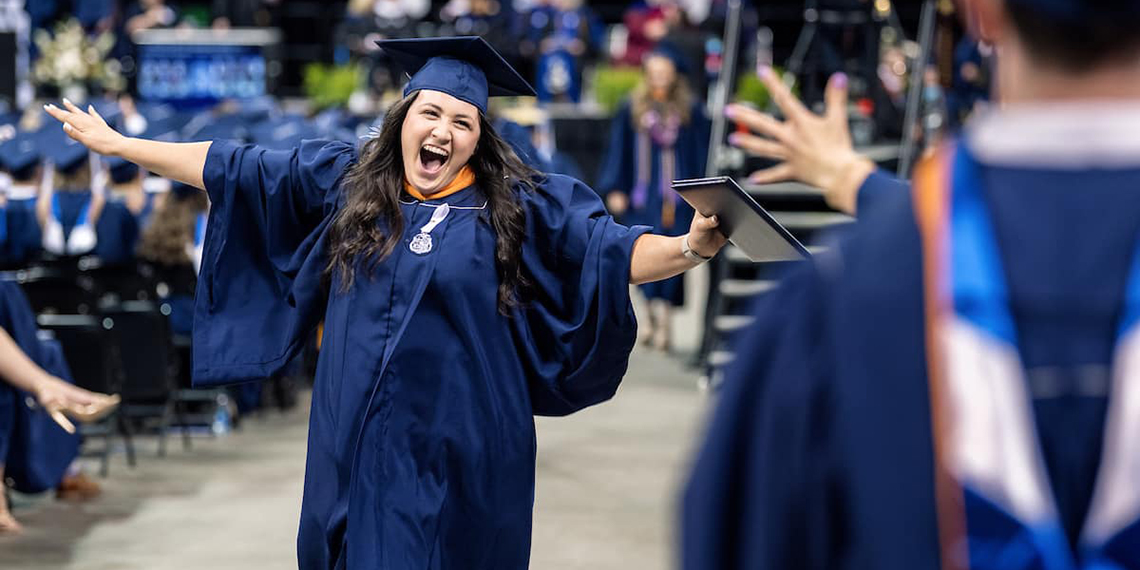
(704,237)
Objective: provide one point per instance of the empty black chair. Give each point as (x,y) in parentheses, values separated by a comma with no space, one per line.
(150,366)
(121,283)
(93,356)
(59,291)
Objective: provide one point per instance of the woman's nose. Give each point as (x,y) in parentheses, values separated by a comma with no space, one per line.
(441,133)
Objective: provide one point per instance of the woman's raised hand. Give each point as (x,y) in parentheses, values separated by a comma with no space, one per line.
(815,149)
(87,127)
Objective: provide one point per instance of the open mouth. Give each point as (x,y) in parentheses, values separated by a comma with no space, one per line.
(432,158)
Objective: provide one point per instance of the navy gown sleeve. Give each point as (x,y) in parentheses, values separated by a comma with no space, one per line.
(260,290)
(880,186)
(757,496)
(576,328)
(619,163)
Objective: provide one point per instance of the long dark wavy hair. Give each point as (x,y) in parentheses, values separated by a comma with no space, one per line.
(372,193)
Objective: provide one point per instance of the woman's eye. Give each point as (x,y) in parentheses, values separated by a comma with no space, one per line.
(464,125)
(431,113)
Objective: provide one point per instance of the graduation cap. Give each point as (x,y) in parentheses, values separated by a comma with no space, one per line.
(282,133)
(465,67)
(122,170)
(64,152)
(672,53)
(20,155)
(182,190)
(165,128)
(209,126)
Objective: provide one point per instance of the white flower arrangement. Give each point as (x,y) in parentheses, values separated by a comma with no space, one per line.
(70,59)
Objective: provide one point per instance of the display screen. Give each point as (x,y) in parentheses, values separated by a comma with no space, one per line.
(193,75)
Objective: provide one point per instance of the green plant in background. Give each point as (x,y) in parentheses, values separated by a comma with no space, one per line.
(613,84)
(330,85)
(749,89)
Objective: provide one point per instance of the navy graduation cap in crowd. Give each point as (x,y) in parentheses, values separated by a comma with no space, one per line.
(121,170)
(672,53)
(465,67)
(64,152)
(20,155)
(282,133)
(209,126)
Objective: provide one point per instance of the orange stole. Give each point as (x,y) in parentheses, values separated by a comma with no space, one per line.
(462,180)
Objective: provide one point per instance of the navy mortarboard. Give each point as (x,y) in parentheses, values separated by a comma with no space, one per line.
(65,153)
(672,53)
(20,155)
(121,170)
(465,67)
(282,133)
(209,126)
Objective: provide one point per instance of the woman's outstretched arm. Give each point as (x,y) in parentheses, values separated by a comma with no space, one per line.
(660,257)
(178,161)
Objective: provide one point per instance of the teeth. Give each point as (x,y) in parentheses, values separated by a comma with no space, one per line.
(435,149)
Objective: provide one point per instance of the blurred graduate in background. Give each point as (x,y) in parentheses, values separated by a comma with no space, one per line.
(659,135)
(20,159)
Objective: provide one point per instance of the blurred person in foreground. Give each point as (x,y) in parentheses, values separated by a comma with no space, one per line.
(959,386)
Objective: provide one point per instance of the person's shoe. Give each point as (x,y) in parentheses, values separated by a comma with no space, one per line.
(78,487)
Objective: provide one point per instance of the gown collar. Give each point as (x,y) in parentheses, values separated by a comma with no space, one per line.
(1059,135)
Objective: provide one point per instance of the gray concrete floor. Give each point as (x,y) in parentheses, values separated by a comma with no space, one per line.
(608,481)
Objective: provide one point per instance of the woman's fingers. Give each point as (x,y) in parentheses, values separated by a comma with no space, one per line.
(836,98)
(91,111)
(759,146)
(779,173)
(71,107)
(59,114)
(59,418)
(704,223)
(758,122)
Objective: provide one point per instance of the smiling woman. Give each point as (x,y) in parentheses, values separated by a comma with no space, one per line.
(462,293)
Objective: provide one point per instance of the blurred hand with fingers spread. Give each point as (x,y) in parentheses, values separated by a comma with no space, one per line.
(814,149)
(87,127)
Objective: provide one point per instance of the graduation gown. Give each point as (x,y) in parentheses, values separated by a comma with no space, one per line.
(421,444)
(623,170)
(21,243)
(821,452)
(118,231)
